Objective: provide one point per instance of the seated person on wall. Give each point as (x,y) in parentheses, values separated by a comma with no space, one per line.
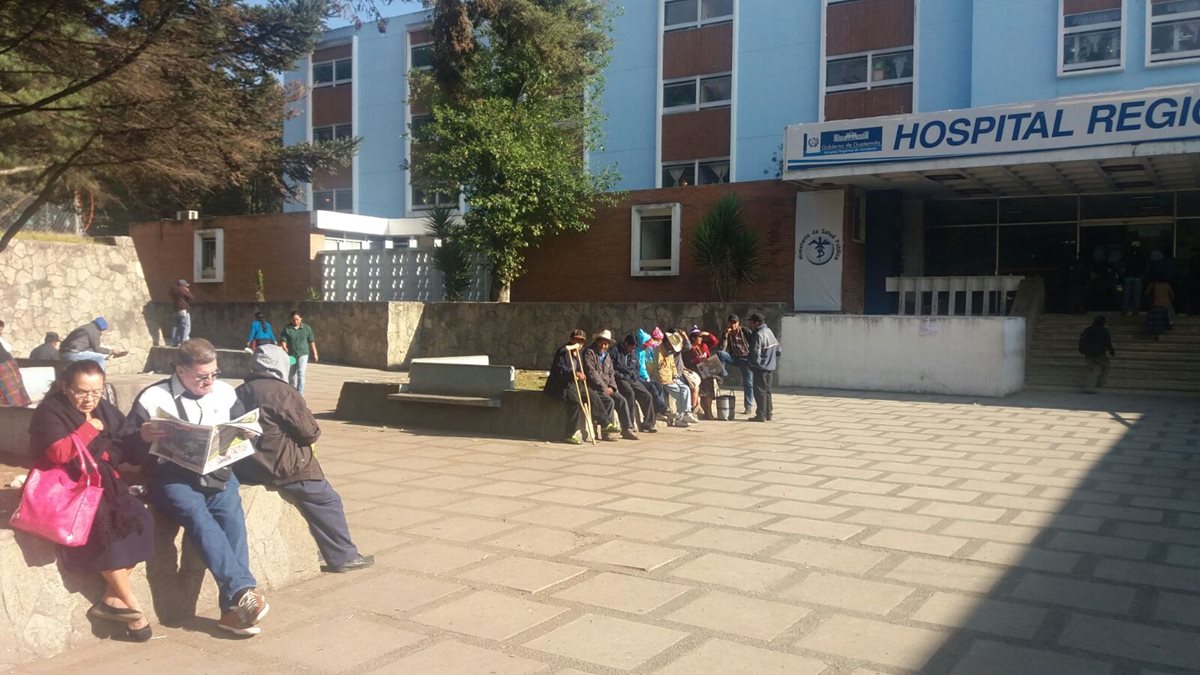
(566,383)
(629,383)
(12,387)
(667,374)
(689,376)
(48,350)
(84,343)
(696,359)
(602,381)
(208,507)
(284,458)
(645,362)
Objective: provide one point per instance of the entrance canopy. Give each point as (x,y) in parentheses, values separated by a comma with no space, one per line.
(1131,141)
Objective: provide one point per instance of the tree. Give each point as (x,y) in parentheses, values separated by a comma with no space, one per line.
(453,258)
(514,97)
(174,98)
(725,247)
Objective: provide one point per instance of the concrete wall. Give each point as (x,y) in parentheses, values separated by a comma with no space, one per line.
(57,286)
(979,356)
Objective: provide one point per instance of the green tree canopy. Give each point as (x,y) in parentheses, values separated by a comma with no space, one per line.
(514,98)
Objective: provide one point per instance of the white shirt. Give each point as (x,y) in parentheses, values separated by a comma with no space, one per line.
(212,408)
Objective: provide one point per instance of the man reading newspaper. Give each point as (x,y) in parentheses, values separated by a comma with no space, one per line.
(206,505)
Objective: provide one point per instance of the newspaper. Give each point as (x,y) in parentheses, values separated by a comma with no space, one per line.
(202,448)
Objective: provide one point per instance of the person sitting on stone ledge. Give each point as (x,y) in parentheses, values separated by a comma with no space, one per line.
(208,507)
(286,462)
(602,381)
(566,382)
(84,343)
(629,382)
(12,387)
(48,350)
(667,372)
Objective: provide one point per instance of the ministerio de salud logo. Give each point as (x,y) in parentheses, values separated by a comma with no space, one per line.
(820,247)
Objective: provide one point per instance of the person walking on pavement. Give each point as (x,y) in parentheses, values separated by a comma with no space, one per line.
(1095,343)
(764,358)
(181,330)
(299,341)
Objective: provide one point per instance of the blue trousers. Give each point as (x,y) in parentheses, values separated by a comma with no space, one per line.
(743,366)
(216,526)
(86,356)
(296,376)
(321,506)
(182,329)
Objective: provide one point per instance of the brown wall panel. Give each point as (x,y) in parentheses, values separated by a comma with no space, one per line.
(329,180)
(331,53)
(1081,6)
(695,135)
(698,51)
(331,105)
(868,24)
(847,105)
(419,37)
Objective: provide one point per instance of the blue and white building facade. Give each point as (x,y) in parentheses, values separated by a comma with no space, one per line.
(713,91)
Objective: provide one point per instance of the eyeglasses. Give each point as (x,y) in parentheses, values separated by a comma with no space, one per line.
(209,377)
(87,395)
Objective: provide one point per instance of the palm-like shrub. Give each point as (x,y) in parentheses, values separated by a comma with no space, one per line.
(727,248)
(453,258)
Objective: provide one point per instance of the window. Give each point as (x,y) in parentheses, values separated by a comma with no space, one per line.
(417,124)
(332,73)
(697,92)
(654,240)
(421,56)
(868,71)
(1091,41)
(702,172)
(1174,28)
(679,14)
(208,264)
(427,199)
(329,133)
(334,200)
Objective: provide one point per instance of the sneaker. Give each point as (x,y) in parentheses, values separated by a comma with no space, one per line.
(662,417)
(575,438)
(606,435)
(691,418)
(234,621)
(358,562)
(681,420)
(629,435)
(612,429)
(747,410)
(253,606)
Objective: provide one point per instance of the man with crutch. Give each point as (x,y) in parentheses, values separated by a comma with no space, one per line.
(568,383)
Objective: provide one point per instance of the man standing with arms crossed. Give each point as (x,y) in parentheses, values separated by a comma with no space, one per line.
(299,341)
(181,331)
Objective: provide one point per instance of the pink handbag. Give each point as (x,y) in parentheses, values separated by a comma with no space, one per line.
(57,507)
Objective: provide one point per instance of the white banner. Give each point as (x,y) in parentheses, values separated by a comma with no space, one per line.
(1167,114)
(818,262)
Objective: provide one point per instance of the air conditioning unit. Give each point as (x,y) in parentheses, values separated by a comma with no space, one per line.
(187,215)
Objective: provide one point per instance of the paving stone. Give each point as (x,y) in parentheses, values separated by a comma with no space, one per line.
(623,593)
(993,658)
(1075,593)
(432,557)
(1059,521)
(641,527)
(460,528)
(916,542)
(962,576)
(488,506)
(746,575)
(542,540)
(815,528)
(524,574)
(727,500)
(813,553)
(720,657)
(863,486)
(1099,545)
(796,492)
(651,491)
(650,476)
(392,518)
(729,540)
(507,489)
(569,517)
(739,615)
(1178,608)
(874,641)
(1012,555)
(845,592)
(649,507)
(726,517)
(1170,647)
(1013,534)
(451,657)
(572,497)
(874,501)
(607,641)
(631,554)
(803,509)
(489,615)
(1009,619)
(903,521)
(337,644)
(391,593)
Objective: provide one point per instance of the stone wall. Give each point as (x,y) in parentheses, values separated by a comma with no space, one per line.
(57,286)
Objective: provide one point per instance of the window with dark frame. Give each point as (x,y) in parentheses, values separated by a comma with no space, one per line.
(1174,27)
(332,73)
(1091,40)
(681,14)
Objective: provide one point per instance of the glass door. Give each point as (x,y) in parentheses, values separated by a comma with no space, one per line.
(1105,249)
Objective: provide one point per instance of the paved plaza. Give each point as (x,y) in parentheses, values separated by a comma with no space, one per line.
(858,533)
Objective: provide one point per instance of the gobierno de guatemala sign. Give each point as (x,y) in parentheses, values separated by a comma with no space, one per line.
(1168,114)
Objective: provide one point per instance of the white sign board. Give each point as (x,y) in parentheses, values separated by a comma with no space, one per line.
(818,260)
(1168,114)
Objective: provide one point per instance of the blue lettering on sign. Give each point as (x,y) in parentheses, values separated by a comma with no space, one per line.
(845,142)
(1102,114)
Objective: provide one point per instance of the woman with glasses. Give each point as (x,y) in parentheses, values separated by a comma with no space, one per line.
(123,533)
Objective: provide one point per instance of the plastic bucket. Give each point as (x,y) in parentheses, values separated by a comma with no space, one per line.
(725,407)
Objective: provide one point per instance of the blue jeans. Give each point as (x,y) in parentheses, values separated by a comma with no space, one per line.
(182,329)
(743,367)
(216,526)
(1132,299)
(296,376)
(322,508)
(86,356)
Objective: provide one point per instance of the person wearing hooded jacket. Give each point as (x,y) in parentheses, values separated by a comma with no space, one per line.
(645,364)
(284,458)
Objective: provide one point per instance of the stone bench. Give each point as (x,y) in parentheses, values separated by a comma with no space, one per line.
(43,610)
(456,380)
(234,363)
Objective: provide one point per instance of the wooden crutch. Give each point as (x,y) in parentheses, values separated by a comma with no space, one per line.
(575,358)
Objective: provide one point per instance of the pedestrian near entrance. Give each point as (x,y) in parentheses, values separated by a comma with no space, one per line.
(1158,318)
(1133,269)
(181,331)
(299,341)
(284,458)
(764,358)
(1095,343)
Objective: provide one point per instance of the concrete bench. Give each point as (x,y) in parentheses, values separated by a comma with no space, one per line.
(456,380)
(43,609)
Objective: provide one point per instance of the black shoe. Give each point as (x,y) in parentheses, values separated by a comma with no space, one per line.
(142,634)
(107,612)
(756,418)
(649,430)
(359,562)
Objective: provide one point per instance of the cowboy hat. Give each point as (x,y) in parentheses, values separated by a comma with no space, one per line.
(605,334)
(676,342)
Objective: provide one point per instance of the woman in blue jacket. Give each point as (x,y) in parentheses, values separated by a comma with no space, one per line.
(260,333)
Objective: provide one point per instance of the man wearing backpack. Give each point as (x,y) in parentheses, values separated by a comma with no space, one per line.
(1095,343)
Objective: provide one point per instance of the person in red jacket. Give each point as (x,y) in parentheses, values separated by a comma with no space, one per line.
(697,359)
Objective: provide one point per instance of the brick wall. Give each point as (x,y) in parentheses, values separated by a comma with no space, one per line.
(281,245)
(593,266)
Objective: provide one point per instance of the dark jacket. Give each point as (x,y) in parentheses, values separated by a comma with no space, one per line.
(182,298)
(45,352)
(86,338)
(1096,341)
(599,369)
(284,452)
(764,349)
(561,374)
(625,364)
(736,344)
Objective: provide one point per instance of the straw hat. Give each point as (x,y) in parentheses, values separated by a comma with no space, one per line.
(605,334)
(676,342)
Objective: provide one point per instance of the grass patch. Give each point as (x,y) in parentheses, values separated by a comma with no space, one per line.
(60,237)
(531,380)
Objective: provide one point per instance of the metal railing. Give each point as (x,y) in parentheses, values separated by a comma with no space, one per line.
(953,296)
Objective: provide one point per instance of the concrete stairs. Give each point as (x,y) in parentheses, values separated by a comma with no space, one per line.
(1168,366)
